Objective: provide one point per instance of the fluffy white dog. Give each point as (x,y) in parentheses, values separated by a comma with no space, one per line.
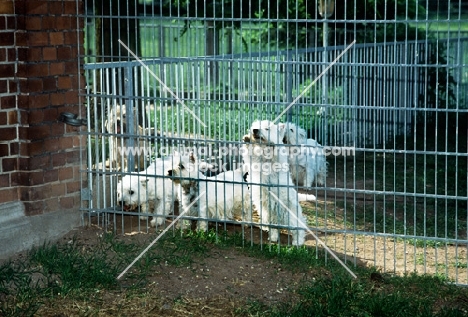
(224,196)
(307,160)
(266,159)
(150,191)
(116,125)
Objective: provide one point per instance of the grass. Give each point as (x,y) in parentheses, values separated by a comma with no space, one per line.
(74,271)
(227,121)
(81,279)
(381,296)
(224,121)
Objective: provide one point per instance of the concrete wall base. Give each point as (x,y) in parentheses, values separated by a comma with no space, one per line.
(19,232)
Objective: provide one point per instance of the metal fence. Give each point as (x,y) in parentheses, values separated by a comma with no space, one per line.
(371,95)
(397,200)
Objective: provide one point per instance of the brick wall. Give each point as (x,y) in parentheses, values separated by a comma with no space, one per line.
(8,111)
(40,78)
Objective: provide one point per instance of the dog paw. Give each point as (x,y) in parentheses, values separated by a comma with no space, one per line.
(202,226)
(298,238)
(156,221)
(306,197)
(246,138)
(274,235)
(143,217)
(298,242)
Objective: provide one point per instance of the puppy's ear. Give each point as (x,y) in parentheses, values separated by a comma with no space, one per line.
(246,138)
(302,133)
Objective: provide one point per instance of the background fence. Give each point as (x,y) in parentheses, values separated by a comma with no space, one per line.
(373,94)
(399,203)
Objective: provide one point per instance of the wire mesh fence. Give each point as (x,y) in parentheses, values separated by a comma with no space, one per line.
(390,116)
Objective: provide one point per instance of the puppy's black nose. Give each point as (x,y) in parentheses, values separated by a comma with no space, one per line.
(169,173)
(255,131)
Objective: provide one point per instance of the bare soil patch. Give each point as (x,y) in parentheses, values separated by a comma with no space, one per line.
(217,284)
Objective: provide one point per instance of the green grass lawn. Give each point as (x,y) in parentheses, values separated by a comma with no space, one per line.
(227,121)
(454,23)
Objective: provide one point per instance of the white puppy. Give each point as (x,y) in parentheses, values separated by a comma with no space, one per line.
(148,190)
(224,196)
(119,139)
(266,159)
(307,160)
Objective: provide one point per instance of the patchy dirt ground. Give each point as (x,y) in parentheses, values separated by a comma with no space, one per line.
(388,254)
(227,279)
(223,272)
(224,280)
(217,284)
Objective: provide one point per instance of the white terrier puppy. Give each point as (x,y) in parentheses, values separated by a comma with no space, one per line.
(307,160)
(222,197)
(266,159)
(116,125)
(149,191)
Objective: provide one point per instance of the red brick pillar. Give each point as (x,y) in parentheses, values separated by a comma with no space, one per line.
(8,111)
(40,77)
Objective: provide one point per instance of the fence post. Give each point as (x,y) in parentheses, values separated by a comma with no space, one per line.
(130,113)
(289,85)
(212,49)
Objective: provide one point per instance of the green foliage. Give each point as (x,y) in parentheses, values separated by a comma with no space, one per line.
(68,269)
(440,91)
(304,18)
(215,9)
(388,10)
(15,282)
(284,34)
(342,296)
(224,121)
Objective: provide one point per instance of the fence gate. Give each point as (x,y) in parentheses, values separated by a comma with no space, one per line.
(390,113)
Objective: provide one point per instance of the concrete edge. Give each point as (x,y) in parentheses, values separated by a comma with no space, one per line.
(20,233)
